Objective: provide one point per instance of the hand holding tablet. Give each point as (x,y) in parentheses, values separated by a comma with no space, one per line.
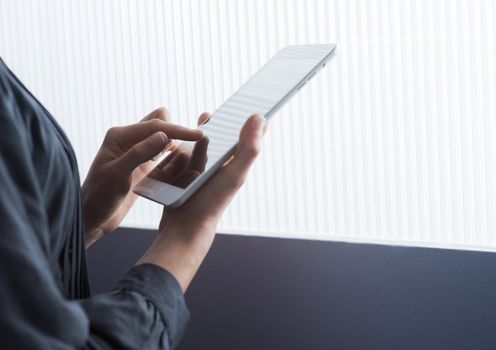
(187,168)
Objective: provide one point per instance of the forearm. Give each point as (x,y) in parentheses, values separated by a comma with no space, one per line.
(92,223)
(186,233)
(180,250)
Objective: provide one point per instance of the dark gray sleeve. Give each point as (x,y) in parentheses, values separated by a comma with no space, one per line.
(145,310)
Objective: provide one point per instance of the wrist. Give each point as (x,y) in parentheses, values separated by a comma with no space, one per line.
(92,232)
(192,238)
(180,249)
(188,229)
(92,235)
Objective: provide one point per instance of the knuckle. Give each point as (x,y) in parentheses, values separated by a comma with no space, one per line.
(137,151)
(156,123)
(112,132)
(252,151)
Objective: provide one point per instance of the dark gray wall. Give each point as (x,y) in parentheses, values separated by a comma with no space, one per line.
(267,293)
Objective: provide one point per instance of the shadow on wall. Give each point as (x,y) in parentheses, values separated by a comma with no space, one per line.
(270,293)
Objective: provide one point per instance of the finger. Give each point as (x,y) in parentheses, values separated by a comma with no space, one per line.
(160,113)
(248,145)
(134,133)
(180,163)
(232,175)
(167,159)
(199,155)
(142,152)
(203,118)
(170,146)
(175,163)
(165,173)
(175,147)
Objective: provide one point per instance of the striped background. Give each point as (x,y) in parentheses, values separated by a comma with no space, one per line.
(394,142)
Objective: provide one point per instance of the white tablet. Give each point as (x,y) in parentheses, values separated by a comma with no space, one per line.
(264,93)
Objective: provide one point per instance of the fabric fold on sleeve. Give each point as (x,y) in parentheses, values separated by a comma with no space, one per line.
(160,288)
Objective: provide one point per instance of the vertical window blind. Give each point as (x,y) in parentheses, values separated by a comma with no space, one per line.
(394,142)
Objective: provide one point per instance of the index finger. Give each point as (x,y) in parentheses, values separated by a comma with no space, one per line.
(179,132)
(160,113)
(199,155)
(137,132)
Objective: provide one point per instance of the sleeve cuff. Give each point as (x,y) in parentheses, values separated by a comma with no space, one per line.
(162,289)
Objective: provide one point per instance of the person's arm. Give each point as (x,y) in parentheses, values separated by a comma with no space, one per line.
(186,233)
(146,309)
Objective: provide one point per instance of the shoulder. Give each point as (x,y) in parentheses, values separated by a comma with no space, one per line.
(12,123)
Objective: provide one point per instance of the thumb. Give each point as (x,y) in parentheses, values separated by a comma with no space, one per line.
(232,175)
(142,152)
(248,145)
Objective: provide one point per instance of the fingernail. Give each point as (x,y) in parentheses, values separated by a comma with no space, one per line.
(158,140)
(257,123)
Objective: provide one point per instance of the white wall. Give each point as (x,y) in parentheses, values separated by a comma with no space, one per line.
(394,142)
